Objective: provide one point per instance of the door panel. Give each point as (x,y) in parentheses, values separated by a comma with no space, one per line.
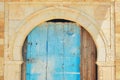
(54,52)
(88,59)
(71,51)
(36,54)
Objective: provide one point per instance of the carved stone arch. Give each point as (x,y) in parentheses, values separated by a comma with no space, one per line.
(60,13)
(57,12)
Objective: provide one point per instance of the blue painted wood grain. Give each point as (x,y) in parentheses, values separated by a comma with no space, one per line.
(36,54)
(71,52)
(53,52)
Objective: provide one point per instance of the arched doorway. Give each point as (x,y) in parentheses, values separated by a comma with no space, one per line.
(105,53)
(57,50)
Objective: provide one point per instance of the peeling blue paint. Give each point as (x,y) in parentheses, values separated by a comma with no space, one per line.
(54,52)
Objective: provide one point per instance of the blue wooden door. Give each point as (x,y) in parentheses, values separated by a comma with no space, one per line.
(53,52)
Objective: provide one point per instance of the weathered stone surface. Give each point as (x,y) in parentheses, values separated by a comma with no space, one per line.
(1,67)
(1,25)
(1,39)
(117,16)
(1,77)
(118,28)
(1,6)
(1,50)
(54,0)
(1,14)
(17,12)
(117,69)
(1,35)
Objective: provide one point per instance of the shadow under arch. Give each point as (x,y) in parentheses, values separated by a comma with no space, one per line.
(59,13)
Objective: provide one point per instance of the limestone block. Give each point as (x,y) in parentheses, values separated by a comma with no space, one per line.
(117,27)
(118,52)
(101,12)
(1,41)
(2,25)
(1,6)
(1,66)
(13,27)
(21,11)
(1,1)
(117,15)
(118,69)
(105,27)
(1,35)
(57,0)
(87,8)
(118,62)
(118,45)
(117,6)
(16,12)
(1,50)
(1,14)
(108,71)
(117,38)
(1,77)
(12,71)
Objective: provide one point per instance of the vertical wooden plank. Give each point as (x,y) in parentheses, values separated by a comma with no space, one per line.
(93,60)
(84,56)
(51,52)
(71,51)
(88,59)
(36,54)
(59,52)
(28,65)
(55,51)
(69,40)
(39,68)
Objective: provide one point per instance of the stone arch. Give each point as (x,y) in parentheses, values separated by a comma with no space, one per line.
(59,13)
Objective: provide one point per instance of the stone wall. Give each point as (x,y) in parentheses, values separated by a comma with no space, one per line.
(117,16)
(16,20)
(1,39)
